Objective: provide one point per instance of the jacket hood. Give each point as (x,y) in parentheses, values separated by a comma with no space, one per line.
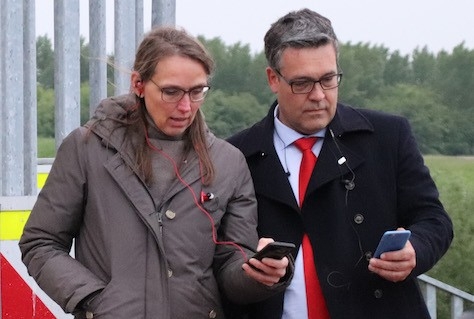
(107,118)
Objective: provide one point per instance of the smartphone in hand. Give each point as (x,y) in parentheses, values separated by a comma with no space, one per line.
(275,250)
(392,240)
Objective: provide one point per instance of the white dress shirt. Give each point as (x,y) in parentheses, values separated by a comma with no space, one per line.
(294,306)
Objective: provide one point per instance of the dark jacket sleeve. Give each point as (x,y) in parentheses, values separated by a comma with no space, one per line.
(53,223)
(239,226)
(419,205)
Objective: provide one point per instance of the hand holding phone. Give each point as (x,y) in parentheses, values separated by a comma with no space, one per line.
(392,240)
(275,250)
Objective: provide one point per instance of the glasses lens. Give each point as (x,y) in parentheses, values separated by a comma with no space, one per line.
(198,94)
(330,82)
(301,87)
(172,94)
(176,94)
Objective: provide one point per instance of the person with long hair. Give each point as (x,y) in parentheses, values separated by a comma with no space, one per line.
(161,212)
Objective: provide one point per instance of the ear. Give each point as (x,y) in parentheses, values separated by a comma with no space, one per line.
(137,84)
(273,79)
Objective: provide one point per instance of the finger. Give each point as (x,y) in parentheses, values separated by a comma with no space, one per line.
(262,242)
(392,271)
(259,265)
(389,266)
(260,276)
(393,276)
(273,269)
(276,263)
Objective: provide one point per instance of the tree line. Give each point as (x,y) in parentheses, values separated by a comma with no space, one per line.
(433,90)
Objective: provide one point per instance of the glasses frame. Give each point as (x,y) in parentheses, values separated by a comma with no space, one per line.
(205,89)
(290,83)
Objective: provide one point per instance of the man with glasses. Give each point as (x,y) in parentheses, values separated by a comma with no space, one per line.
(369,177)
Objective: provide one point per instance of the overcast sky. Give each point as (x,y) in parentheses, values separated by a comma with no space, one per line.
(398,25)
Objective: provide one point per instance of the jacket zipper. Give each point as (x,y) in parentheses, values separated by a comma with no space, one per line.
(160,222)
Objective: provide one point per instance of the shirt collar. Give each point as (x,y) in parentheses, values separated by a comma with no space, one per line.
(288,135)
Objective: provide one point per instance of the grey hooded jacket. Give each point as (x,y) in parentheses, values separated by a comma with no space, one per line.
(144,259)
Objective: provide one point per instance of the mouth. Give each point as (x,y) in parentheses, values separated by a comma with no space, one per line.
(179,121)
(317,110)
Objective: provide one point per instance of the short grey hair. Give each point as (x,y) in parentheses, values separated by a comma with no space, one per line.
(298,29)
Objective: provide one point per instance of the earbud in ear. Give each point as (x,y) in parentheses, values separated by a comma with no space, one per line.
(139,87)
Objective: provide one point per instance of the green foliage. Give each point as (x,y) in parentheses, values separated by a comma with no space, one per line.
(45,111)
(84,60)
(226,114)
(429,118)
(363,68)
(237,71)
(423,66)
(397,70)
(46,147)
(454,177)
(45,62)
(434,91)
(85,105)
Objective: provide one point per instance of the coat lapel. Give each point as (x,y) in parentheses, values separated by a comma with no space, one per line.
(270,179)
(136,191)
(269,176)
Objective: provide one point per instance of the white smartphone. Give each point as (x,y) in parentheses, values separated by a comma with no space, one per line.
(392,240)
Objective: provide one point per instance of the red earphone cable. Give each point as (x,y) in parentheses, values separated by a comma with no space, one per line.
(195,198)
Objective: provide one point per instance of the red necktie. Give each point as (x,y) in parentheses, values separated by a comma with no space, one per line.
(314,296)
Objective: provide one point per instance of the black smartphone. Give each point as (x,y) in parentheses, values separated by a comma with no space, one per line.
(392,240)
(275,250)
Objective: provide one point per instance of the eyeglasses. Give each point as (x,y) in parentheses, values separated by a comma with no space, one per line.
(175,94)
(305,86)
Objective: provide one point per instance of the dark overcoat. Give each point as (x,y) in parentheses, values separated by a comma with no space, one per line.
(393,188)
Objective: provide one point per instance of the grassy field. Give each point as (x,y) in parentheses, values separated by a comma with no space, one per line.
(46,147)
(455,179)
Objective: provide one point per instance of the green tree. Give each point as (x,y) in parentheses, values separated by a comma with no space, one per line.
(420,87)
(257,82)
(84,61)
(363,66)
(456,77)
(85,105)
(430,119)
(397,69)
(233,65)
(227,114)
(454,82)
(45,62)
(424,66)
(45,111)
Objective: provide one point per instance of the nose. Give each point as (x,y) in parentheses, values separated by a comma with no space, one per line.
(185,103)
(317,93)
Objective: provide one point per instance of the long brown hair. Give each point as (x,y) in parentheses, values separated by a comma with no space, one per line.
(160,43)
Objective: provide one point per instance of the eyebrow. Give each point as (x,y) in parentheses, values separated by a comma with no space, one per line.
(172,86)
(310,78)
